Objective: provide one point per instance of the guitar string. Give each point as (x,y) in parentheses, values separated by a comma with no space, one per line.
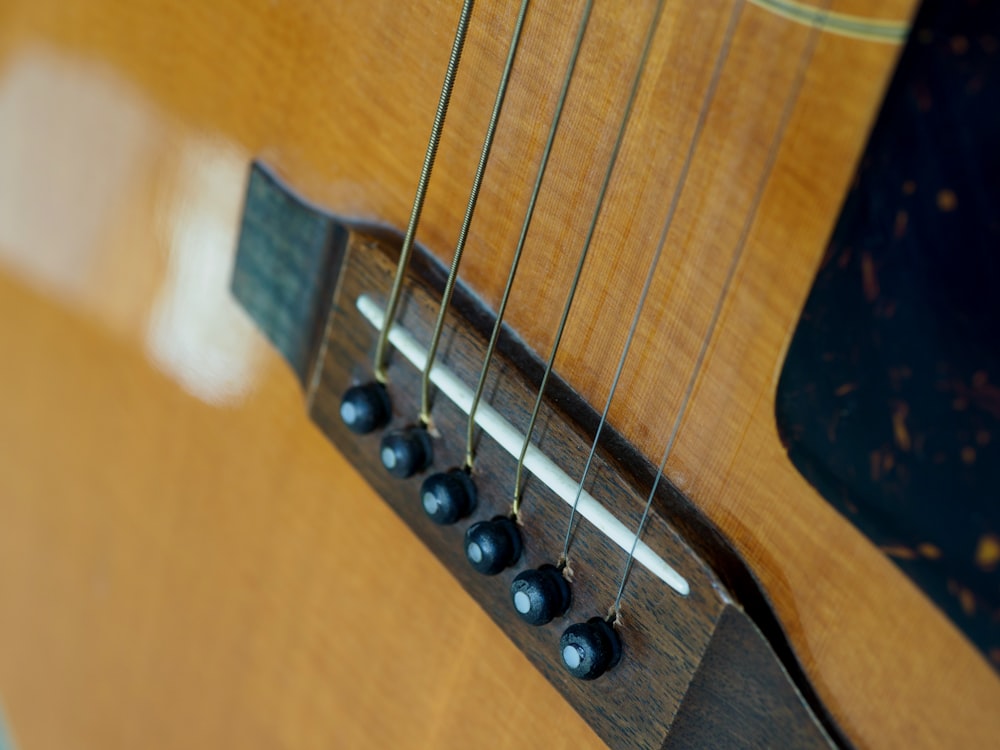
(381,347)
(771,158)
(647,285)
(463,234)
(647,47)
(528,216)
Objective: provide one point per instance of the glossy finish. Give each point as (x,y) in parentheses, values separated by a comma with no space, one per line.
(185,561)
(897,427)
(666,628)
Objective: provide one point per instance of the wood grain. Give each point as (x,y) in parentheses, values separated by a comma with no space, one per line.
(143,609)
(133,124)
(665,636)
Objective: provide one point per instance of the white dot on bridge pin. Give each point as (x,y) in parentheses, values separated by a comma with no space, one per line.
(431,503)
(388,458)
(474,552)
(348,412)
(571,656)
(522,602)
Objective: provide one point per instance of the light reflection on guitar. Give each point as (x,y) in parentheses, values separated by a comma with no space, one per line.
(179,547)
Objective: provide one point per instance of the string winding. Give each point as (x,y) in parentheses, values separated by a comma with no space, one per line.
(650,275)
(477,182)
(529,214)
(772,155)
(382,346)
(633,92)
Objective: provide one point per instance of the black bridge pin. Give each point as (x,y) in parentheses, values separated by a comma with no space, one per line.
(406,452)
(491,546)
(589,649)
(365,408)
(448,496)
(540,594)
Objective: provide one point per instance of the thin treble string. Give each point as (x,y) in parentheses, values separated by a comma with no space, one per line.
(477,182)
(529,214)
(772,156)
(671,211)
(381,348)
(648,44)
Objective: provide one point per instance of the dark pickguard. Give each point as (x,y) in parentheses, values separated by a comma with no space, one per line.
(889,401)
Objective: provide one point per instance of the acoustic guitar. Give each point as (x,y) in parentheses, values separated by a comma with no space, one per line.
(185,560)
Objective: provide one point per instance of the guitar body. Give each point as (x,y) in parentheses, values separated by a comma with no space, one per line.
(184,558)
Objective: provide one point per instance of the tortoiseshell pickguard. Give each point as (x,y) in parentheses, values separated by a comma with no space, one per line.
(889,401)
